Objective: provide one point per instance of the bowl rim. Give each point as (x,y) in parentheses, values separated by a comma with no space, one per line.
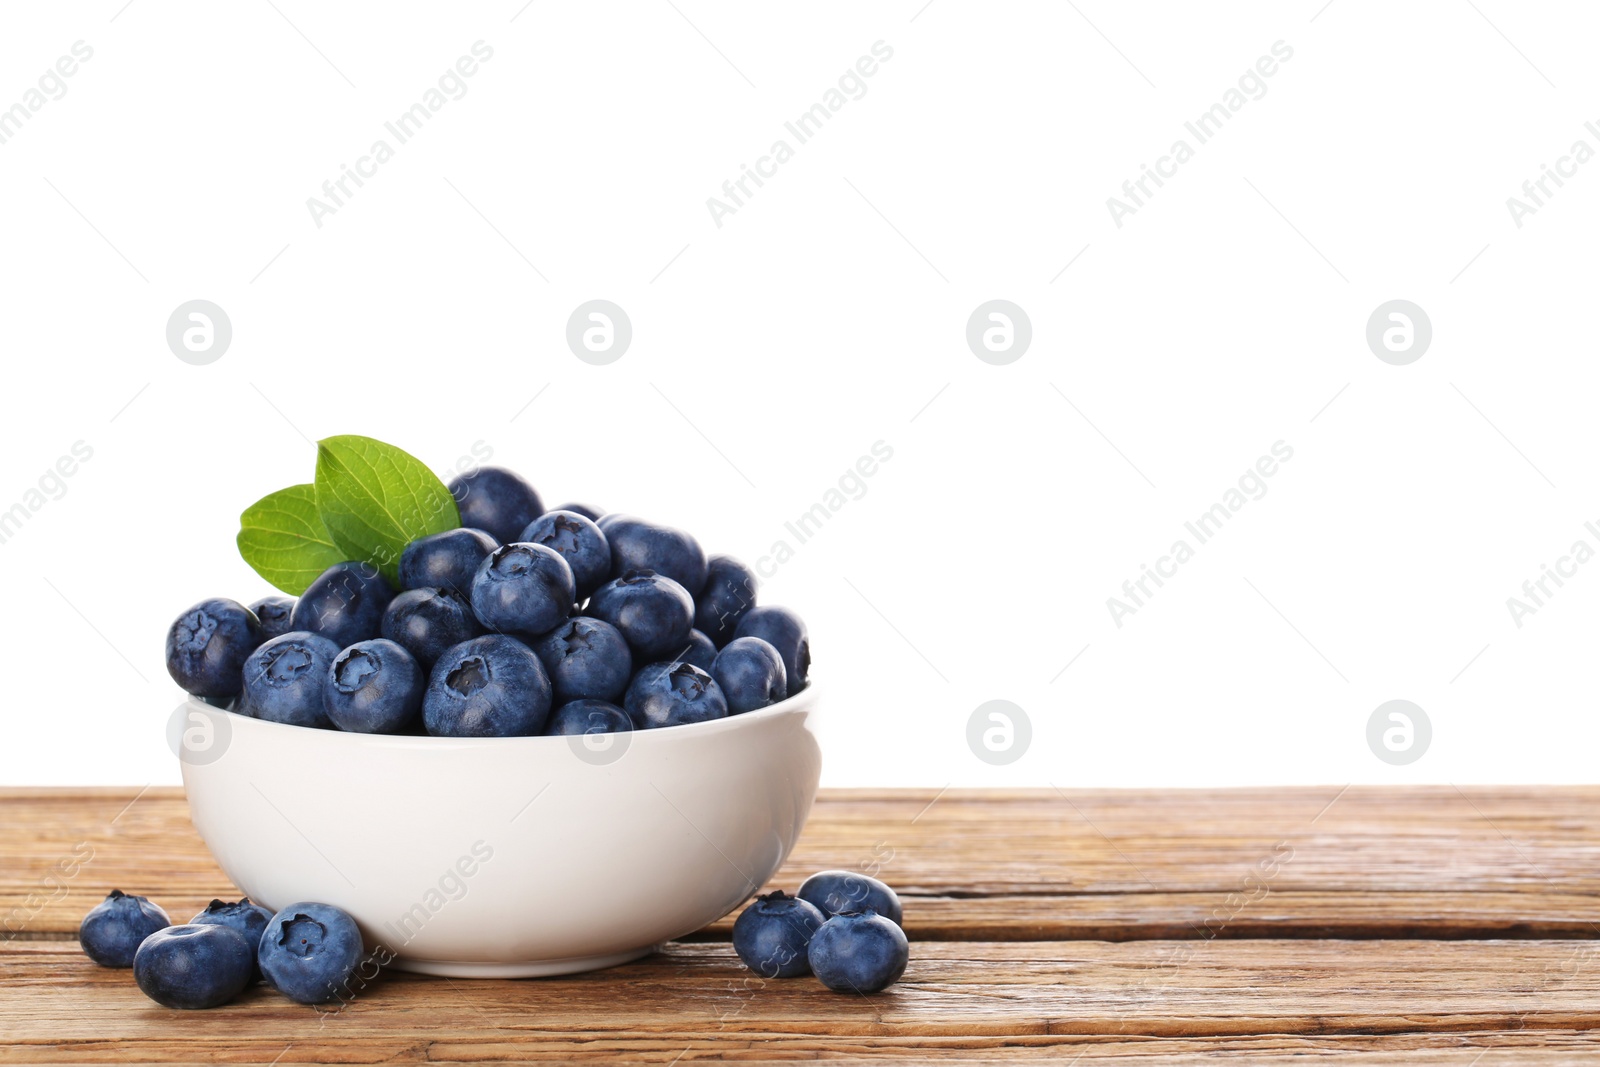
(800,701)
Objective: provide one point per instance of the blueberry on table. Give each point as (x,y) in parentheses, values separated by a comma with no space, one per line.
(858,952)
(771,935)
(447,560)
(283,680)
(589,717)
(374,687)
(580,543)
(786,632)
(672,694)
(751,674)
(497,501)
(586,659)
(653,613)
(195,965)
(645,546)
(274,613)
(588,511)
(242,915)
(523,589)
(839,891)
(427,621)
(309,951)
(729,592)
(698,650)
(492,686)
(208,644)
(110,934)
(344,604)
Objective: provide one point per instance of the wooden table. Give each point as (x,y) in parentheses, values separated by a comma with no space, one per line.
(1364,925)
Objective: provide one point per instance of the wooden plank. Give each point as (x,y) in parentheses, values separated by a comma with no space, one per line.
(1163,864)
(1148,1001)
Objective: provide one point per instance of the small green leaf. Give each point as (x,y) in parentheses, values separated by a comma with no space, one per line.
(283,537)
(375,499)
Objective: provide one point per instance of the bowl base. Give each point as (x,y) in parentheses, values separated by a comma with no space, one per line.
(535,969)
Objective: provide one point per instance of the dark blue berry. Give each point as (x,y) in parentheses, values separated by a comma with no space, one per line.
(698,650)
(523,589)
(786,632)
(729,592)
(639,545)
(344,604)
(771,935)
(858,952)
(836,891)
(580,543)
(427,621)
(194,966)
(497,501)
(654,613)
(491,686)
(586,659)
(208,644)
(588,511)
(374,687)
(283,680)
(672,694)
(447,560)
(111,932)
(309,951)
(751,674)
(589,717)
(274,613)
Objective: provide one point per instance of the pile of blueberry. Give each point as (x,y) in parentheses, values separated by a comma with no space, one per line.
(308,952)
(842,927)
(519,622)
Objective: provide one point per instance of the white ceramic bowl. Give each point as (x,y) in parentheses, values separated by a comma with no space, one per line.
(505,857)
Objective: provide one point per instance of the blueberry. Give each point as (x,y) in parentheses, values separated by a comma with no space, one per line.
(837,891)
(586,658)
(445,560)
(589,717)
(274,613)
(751,674)
(491,686)
(374,687)
(784,631)
(580,543)
(523,589)
(344,604)
(309,951)
(427,621)
(242,915)
(772,934)
(194,966)
(644,546)
(588,511)
(698,650)
(111,932)
(653,612)
(858,952)
(729,592)
(208,644)
(671,694)
(496,501)
(283,680)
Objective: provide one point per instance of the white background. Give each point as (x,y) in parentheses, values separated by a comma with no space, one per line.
(828,314)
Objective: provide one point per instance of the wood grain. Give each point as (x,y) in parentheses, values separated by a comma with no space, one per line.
(1024,865)
(968,996)
(1359,926)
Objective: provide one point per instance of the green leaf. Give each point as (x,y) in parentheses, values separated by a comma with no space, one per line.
(283,537)
(375,499)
